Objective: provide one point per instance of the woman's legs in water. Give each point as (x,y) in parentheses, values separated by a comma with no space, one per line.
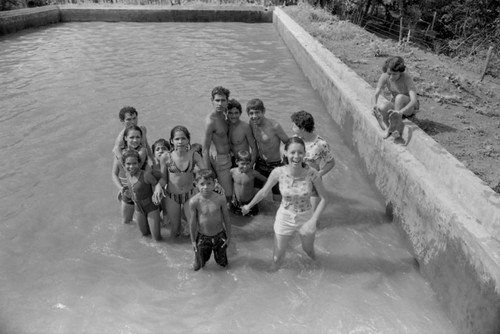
(174,213)
(154,224)
(142,222)
(164,211)
(127,212)
(308,244)
(280,245)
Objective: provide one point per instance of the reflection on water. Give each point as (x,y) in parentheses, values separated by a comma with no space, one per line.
(69,266)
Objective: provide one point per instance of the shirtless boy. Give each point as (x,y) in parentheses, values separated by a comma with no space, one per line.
(129,116)
(243,183)
(240,134)
(209,224)
(216,132)
(268,135)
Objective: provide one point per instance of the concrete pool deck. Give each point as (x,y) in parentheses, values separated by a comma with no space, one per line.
(450,218)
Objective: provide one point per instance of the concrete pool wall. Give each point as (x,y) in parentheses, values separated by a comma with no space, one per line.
(16,20)
(449,217)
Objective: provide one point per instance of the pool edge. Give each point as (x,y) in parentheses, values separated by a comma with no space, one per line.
(21,19)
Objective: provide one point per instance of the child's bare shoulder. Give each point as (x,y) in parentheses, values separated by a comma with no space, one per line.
(219,198)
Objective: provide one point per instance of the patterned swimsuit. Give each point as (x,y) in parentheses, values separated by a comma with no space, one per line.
(174,169)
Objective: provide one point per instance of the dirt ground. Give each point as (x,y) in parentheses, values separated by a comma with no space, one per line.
(456,109)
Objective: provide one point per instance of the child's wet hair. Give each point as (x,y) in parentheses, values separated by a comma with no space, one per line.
(303,120)
(219,90)
(130,154)
(198,148)
(161,142)
(395,64)
(294,140)
(127,130)
(234,104)
(255,104)
(127,110)
(205,174)
(243,155)
(181,128)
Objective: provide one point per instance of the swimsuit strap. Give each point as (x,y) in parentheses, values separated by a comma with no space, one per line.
(173,168)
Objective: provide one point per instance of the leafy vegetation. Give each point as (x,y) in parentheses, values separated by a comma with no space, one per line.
(463,29)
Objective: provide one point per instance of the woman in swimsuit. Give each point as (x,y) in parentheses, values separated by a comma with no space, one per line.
(177,169)
(132,137)
(318,153)
(403,93)
(140,184)
(296,182)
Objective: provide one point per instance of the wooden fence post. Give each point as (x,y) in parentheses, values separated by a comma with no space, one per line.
(488,57)
(400,29)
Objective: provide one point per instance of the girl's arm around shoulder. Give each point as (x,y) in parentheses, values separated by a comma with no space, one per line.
(152,176)
(199,160)
(143,153)
(115,172)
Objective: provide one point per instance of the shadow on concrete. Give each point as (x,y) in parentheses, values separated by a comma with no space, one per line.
(431,127)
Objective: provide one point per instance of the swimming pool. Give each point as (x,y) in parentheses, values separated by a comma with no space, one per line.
(68,265)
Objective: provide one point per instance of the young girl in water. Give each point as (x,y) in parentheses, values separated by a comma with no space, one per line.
(160,147)
(177,171)
(296,182)
(141,184)
(132,137)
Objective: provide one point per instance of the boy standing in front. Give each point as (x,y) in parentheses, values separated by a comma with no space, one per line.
(209,224)
(243,180)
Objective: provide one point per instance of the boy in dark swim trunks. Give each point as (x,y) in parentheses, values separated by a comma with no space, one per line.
(243,183)
(268,135)
(209,224)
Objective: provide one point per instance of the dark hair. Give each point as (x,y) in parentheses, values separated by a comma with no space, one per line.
(161,142)
(181,128)
(131,154)
(198,148)
(294,140)
(234,104)
(255,104)
(243,155)
(126,110)
(219,90)
(127,130)
(205,174)
(303,120)
(396,64)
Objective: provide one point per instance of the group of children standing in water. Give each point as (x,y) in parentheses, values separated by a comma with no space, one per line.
(204,183)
